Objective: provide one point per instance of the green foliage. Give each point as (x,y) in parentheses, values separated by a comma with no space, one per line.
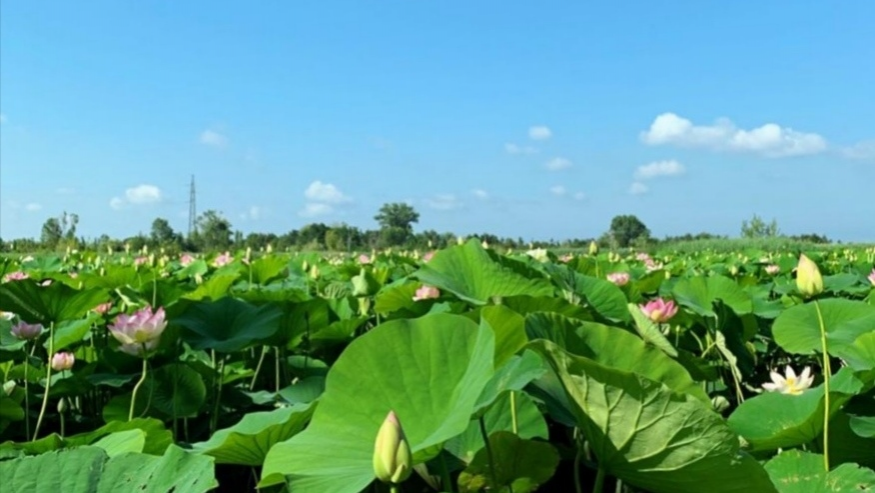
(626,229)
(757,228)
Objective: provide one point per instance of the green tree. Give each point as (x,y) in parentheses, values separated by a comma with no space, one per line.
(626,229)
(162,234)
(213,232)
(396,223)
(56,229)
(757,228)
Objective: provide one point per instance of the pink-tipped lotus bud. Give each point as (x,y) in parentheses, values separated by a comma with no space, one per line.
(63,361)
(393,461)
(808,278)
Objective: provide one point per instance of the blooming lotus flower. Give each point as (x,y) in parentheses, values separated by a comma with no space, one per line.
(808,278)
(139,328)
(790,383)
(141,260)
(538,254)
(15,276)
(63,361)
(566,258)
(139,350)
(364,259)
(186,259)
(643,256)
(6,315)
(393,461)
(25,331)
(223,259)
(102,308)
(772,269)
(659,310)
(619,278)
(872,277)
(428,256)
(426,292)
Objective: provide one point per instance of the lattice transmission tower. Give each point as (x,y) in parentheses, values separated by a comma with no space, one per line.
(192,210)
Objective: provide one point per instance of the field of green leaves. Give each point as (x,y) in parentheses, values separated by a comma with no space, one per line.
(460,370)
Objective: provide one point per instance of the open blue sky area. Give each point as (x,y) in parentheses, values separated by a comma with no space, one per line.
(523,119)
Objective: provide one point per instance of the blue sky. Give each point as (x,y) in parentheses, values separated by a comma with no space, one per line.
(524,119)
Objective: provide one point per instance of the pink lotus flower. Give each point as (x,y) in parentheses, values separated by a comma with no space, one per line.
(426,292)
(619,278)
(659,310)
(772,269)
(140,328)
(186,259)
(102,308)
(25,331)
(139,349)
(223,259)
(15,276)
(428,256)
(872,277)
(141,260)
(364,259)
(643,256)
(63,361)
(566,258)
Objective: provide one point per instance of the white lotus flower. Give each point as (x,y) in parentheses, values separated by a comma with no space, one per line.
(790,383)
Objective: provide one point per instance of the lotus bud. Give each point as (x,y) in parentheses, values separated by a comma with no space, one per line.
(393,461)
(808,278)
(9,387)
(62,406)
(593,248)
(63,361)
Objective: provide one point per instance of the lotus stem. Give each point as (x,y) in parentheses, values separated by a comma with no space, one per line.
(42,411)
(827,374)
(264,351)
(513,416)
(493,475)
(137,387)
(599,480)
(214,419)
(578,455)
(26,396)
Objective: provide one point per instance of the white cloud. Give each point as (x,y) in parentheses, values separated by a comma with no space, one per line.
(579,196)
(540,132)
(557,190)
(860,150)
(638,188)
(770,140)
(138,195)
(213,138)
(659,168)
(514,149)
(557,164)
(443,202)
(254,213)
(33,207)
(313,209)
(480,194)
(325,192)
(2,119)
(143,194)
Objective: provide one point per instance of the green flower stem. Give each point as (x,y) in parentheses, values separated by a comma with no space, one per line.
(599,480)
(827,375)
(220,373)
(26,395)
(42,411)
(492,472)
(446,479)
(578,455)
(137,387)
(264,351)
(513,416)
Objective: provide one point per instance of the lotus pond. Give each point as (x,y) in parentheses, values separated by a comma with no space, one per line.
(461,370)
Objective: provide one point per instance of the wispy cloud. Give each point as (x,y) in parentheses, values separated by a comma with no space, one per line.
(769,140)
(860,150)
(2,118)
(314,209)
(516,150)
(558,190)
(579,196)
(638,188)
(480,194)
(558,164)
(139,195)
(33,207)
(540,132)
(254,213)
(444,202)
(659,168)
(213,138)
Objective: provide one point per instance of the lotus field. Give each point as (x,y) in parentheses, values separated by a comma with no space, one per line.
(460,370)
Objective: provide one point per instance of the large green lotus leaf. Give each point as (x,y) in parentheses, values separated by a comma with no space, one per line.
(75,470)
(71,332)
(700,293)
(477,275)
(774,420)
(649,436)
(227,325)
(247,442)
(214,288)
(615,348)
(514,374)
(860,354)
(795,471)
(527,304)
(176,389)
(429,370)
(530,424)
(122,442)
(176,470)
(267,268)
(848,440)
(649,331)
(48,304)
(509,328)
(397,296)
(158,438)
(603,296)
(520,465)
(797,329)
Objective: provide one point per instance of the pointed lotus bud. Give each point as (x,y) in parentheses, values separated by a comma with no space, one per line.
(808,278)
(593,248)
(62,406)
(393,461)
